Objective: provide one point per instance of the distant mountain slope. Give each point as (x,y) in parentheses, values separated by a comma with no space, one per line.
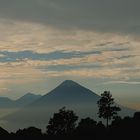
(8,106)
(21,102)
(69,94)
(5,102)
(27,99)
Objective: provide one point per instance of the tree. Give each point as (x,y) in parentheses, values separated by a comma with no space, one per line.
(62,123)
(107,109)
(3,133)
(86,125)
(86,128)
(28,133)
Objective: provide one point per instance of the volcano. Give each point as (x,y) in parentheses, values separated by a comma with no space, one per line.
(68,94)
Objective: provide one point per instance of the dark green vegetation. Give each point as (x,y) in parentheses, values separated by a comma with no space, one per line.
(65,125)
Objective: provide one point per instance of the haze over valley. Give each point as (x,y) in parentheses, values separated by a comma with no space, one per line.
(36,110)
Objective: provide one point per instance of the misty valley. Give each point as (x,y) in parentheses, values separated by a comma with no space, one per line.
(34,112)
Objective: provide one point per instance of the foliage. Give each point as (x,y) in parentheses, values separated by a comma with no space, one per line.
(87,123)
(120,128)
(62,123)
(107,109)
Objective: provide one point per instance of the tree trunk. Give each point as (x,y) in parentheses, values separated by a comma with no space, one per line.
(107,122)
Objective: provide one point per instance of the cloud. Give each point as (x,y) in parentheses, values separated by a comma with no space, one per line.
(123,82)
(2,55)
(31,53)
(24,71)
(85,73)
(103,16)
(25,36)
(39,47)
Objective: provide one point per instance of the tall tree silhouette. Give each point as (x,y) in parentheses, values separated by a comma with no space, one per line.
(107,109)
(62,123)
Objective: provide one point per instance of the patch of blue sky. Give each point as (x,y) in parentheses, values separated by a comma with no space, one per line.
(15,56)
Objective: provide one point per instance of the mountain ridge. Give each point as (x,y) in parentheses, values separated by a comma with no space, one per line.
(20,102)
(69,94)
(27,99)
(70,91)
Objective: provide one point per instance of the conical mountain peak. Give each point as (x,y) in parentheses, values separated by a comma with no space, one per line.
(29,94)
(69,83)
(69,91)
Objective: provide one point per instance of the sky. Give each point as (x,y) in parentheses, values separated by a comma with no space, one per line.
(93,42)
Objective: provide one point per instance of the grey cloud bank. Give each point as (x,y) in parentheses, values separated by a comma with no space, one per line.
(108,15)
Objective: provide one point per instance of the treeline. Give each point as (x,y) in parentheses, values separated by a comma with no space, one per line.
(65,125)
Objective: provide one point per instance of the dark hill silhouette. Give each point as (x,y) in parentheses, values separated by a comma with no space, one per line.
(27,99)
(69,94)
(21,102)
(3,133)
(8,106)
(5,102)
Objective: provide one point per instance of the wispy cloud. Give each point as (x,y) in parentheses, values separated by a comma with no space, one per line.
(123,82)
(22,36)
(31,53)
(84,73)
